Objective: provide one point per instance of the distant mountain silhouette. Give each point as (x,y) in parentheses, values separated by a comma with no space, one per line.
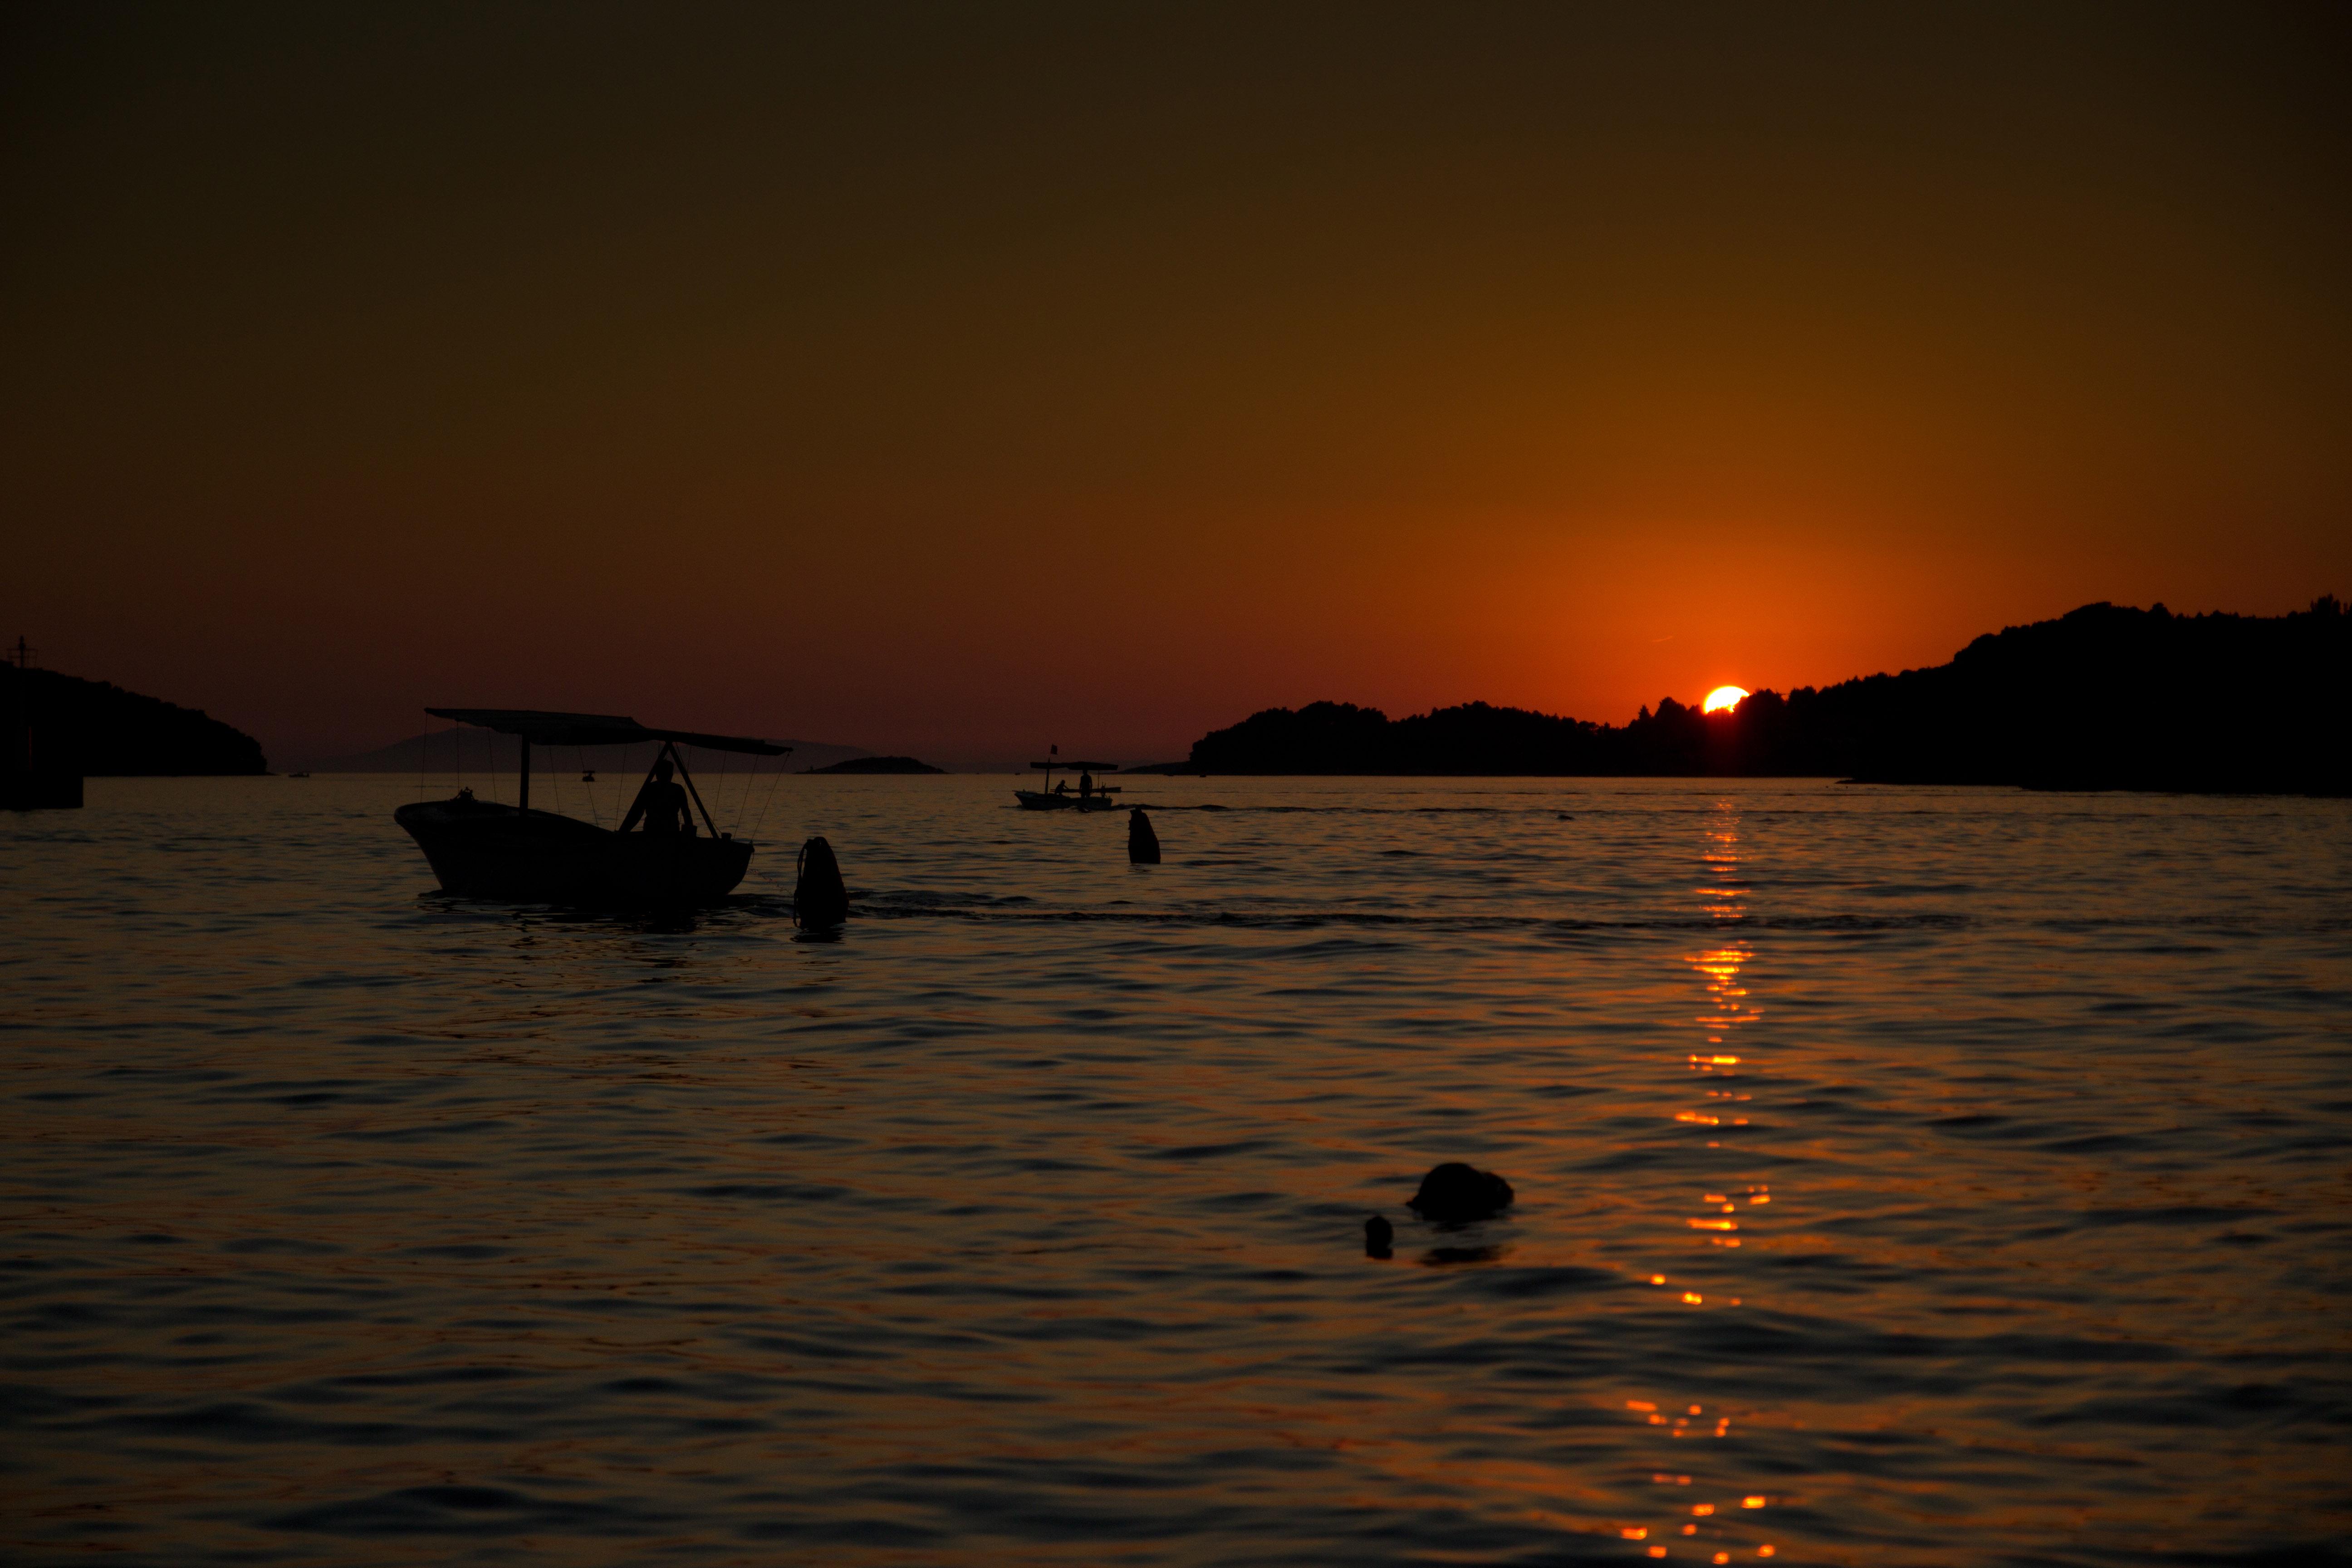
(90,727)
(2104,698)
(476,750)
(877,765)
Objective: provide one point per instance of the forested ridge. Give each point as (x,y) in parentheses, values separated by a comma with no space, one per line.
(93,728)
(2106,697)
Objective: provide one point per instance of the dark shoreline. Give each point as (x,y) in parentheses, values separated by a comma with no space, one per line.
(2105,698)
(1179,770)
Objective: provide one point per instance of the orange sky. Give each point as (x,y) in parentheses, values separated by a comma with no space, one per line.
(955,381)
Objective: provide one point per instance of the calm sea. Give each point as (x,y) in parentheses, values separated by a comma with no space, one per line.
(1905,1177)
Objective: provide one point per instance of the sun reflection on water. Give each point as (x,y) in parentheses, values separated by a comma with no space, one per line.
(1727,1009)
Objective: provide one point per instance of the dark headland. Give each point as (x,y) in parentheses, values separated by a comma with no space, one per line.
(2106,697)
(90,727)
(877,765)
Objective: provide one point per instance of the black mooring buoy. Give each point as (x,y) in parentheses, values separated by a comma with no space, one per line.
(1378,1234)
(1142,843)
(820,898)
(1453,1193)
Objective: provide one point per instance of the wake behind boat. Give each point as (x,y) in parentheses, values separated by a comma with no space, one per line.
(485,849)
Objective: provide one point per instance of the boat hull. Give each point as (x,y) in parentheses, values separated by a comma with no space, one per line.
(481,850)
(1040,800)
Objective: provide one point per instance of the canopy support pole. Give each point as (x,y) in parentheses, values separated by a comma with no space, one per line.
(522,788)
(671,747)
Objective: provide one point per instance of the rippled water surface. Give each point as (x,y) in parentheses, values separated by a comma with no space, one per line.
(1904,1177)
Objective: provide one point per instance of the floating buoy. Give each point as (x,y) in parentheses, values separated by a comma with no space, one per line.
(1142,843)
(820,898)
(1453,1193)
(1378,1234)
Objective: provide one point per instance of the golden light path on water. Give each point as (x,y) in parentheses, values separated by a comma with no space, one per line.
(1727,1528)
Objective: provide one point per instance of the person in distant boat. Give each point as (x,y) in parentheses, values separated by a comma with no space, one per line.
(1061,786)
(661,804)
(1085,785)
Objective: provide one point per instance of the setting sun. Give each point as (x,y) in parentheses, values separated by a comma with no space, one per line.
(1724,697)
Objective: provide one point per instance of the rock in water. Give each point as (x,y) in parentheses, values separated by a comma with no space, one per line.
(820,898)
(1453,1193)
(1142,843)
(1378,1234)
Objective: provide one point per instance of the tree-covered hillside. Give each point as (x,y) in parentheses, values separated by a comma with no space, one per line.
(2105,698)
(89,727)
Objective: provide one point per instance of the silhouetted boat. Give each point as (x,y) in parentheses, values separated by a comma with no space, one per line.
(1089,796)
(485,849)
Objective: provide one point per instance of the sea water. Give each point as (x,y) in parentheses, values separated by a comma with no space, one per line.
(1904,1176)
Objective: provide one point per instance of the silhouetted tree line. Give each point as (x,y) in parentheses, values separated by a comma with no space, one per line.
(2103,698)
(92,728)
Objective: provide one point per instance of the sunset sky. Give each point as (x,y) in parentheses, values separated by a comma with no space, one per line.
(959,379)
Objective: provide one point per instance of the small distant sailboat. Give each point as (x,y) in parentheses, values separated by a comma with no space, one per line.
(488,850)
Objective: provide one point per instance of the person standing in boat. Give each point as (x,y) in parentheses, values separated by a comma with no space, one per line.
(662,804)
(1085,785)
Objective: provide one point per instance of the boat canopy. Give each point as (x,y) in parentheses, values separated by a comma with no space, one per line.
(540,728)
(1078,767)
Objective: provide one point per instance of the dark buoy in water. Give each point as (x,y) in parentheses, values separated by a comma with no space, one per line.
(1142,843)
(1378,1234)
(1453,1193)
(820,898)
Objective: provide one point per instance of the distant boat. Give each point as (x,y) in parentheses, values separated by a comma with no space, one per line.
(298,775)
(1089,796)
(485,849)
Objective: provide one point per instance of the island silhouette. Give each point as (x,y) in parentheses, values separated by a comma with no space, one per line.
(93,728)
(2105,697)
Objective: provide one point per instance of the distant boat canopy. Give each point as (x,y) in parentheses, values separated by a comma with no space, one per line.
(538,727)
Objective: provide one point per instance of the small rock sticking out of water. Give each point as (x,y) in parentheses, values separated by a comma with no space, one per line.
(1453,1193)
